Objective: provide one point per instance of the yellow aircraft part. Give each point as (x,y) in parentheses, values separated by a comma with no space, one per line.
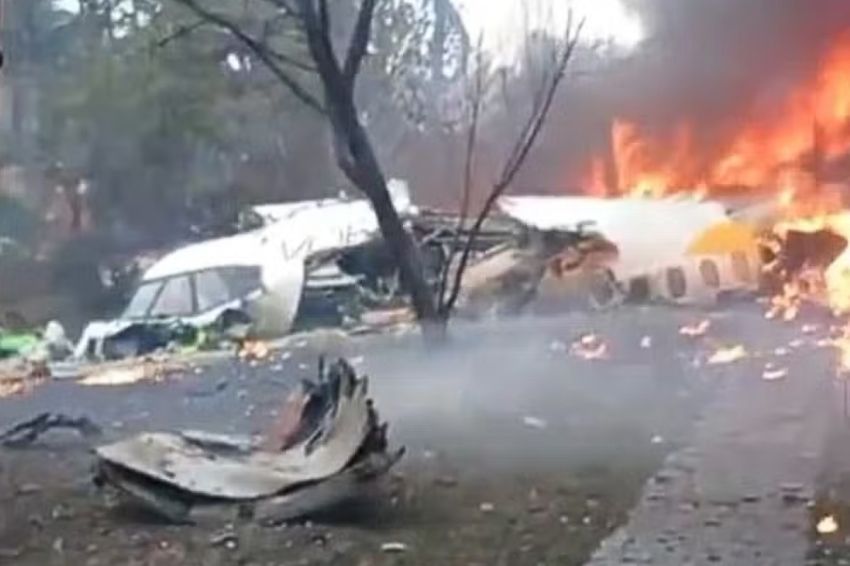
(724,238)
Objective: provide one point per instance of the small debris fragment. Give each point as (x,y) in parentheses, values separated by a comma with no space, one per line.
(534,422)
(254,350)
(487,507)
(10,553)
(27,432)
(773,373)
(589,347)
(61,513)
(695,330)
(226,538)
(827,526)
(446,481)
(657,439)
(727,355)
(28,489)
(646,342)
(393,548)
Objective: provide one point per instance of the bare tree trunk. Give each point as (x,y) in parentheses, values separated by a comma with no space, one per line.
(354,152)
(356,158)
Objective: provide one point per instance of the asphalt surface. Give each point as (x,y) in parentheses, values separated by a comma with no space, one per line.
(519,450)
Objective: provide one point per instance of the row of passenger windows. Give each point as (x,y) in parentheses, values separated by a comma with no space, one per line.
(677,281)
(192,293)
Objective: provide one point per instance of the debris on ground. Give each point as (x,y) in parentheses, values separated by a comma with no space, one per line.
(130,372)
(728,355)
(827,525)
(254,350)
(21,377)
(695,330)
(27,432)
(773,373)
(589,347)
(393,547)
(327,444)
(534,422)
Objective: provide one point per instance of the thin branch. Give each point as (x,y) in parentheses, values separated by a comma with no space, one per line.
(181,32)
(359,41)
(260,50)
(469,170)
(285,5)
(519,156)
(324,17)
(291,61)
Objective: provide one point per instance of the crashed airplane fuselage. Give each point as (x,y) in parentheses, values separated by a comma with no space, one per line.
(681,251)
(261,274)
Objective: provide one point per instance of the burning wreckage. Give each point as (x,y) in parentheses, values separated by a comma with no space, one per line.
(326,446)
(322,263)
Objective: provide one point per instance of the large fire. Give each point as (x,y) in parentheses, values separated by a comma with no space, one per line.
(777,150)
(782,153)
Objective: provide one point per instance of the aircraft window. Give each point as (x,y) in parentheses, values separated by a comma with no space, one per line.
(741,267)
(639,290)
(676,282)
(603,288)
(242,281)
(175,299)
(142,299)
(709,272)
(211,289)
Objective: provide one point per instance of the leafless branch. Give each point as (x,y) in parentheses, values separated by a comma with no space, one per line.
(359,40)
(476,103)
(287,6)
(519,153)
(267,56)
(180,32)
(324,17)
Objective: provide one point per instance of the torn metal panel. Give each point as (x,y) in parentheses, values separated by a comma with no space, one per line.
(328,441)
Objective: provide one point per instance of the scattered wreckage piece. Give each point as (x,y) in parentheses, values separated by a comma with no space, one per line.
(509,277)
(128,372)
(326,445)
(26,433)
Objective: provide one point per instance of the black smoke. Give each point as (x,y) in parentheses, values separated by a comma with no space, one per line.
(711,62)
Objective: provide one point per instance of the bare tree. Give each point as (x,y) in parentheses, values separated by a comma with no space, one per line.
(551,74)
(354,151)
(337,69)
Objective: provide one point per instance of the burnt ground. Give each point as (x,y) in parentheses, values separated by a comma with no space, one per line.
(518,452)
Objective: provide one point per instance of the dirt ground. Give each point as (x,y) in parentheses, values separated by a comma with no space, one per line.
(517,451)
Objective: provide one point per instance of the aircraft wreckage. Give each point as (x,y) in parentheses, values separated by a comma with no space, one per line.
(326,446)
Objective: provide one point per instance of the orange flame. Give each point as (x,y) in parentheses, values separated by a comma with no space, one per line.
(769,151)
(727,355)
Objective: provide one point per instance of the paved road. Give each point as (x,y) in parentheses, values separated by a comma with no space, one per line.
(738,494)
(556,446)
